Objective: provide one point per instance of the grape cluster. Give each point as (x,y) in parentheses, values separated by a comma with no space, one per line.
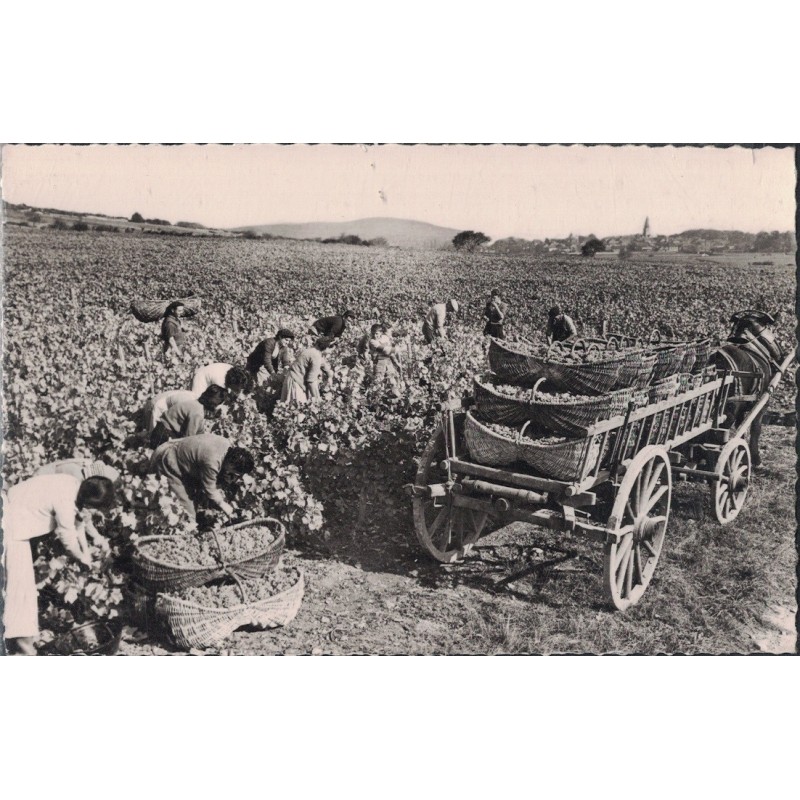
(228,595)
(201,551)
(512,433)
(547,398)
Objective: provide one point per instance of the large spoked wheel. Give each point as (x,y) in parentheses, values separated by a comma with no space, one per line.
(733,480)
(639,517)
(444,530)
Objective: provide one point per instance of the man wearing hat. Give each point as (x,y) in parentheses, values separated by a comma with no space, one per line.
(274,354)
(436,318)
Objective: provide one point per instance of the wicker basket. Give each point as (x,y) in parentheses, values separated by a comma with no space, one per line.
(562,460)
(515,366)
(154,310)
(669,361)
(193,625)
(487,447)
(568,419)
(565,461)
(158,576)
(702,352)
(594,377)
(664,389)
(90,639)
(695,353)
(637,370)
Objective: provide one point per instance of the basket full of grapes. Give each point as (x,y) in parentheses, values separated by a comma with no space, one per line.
(547,410)
(581,366)
(249,549)
(204,616)
(558,457)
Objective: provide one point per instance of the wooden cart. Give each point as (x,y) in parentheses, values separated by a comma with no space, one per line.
(622,498)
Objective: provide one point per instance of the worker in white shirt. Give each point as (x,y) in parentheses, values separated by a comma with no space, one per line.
(36,507)
(433,327)
(83,468)
(385,364)
(235,379)
(80,468)
(157,406)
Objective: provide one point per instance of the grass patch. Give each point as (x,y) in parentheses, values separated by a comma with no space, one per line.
(711,592)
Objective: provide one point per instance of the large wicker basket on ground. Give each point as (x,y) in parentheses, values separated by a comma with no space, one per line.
(194,625)
(154,310)
(158,576)
(566,461)
(567,417)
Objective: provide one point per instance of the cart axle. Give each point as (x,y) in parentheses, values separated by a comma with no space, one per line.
(506,492)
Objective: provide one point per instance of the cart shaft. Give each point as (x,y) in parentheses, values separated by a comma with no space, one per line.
(759,406)
(543,518)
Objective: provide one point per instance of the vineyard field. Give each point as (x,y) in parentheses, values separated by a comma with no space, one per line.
(77,366)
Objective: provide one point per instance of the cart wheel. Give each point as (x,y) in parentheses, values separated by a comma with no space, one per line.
(729,492)
(640,516)
(444,531)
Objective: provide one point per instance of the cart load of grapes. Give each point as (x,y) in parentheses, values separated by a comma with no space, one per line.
(586,438)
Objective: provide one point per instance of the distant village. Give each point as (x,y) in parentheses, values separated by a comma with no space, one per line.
(699,242)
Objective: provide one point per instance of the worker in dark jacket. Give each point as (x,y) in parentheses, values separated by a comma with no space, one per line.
(198,468)
(331,327)
(273,354)
(187,417)
(495,316)
(560,327)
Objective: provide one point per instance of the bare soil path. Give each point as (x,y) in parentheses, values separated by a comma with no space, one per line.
(369,589)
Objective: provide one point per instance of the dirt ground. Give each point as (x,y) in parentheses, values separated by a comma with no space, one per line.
(522,590)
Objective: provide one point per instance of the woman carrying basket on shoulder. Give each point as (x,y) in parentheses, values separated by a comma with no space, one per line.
(172,333)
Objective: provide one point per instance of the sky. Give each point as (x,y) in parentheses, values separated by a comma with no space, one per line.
(527,192)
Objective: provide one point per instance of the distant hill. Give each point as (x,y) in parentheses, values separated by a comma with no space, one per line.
(33,217)
(397,232)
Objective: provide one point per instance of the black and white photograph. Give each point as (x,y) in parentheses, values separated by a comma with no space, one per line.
(398,399)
